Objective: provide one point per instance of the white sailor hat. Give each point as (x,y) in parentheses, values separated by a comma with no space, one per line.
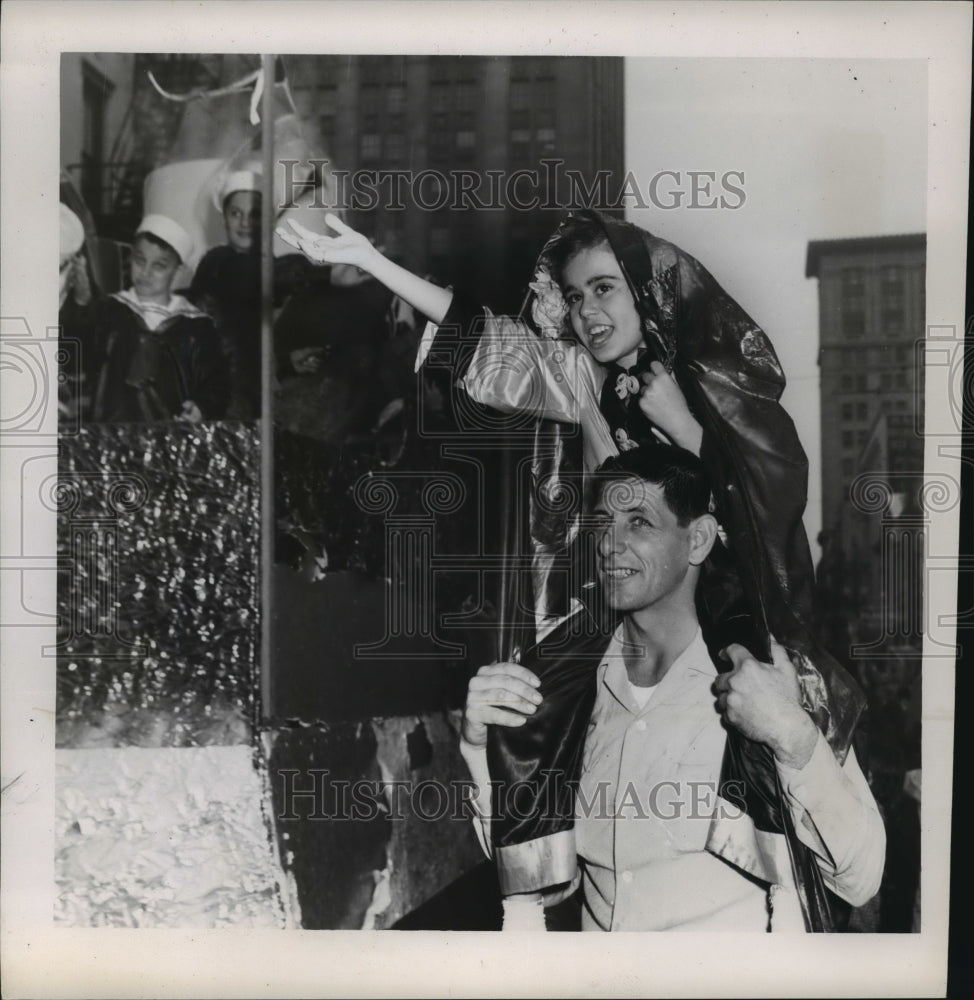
(239,180)
(170,232)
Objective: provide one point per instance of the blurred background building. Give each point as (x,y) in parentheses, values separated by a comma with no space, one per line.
(871,319)
(874,525)
(474,113)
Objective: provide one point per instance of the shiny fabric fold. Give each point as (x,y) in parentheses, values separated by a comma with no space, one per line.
(538,764)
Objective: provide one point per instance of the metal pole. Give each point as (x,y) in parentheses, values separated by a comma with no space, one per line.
(267,520)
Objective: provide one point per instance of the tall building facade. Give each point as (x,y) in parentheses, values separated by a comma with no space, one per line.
(488,150)
(871,320)
(870,579)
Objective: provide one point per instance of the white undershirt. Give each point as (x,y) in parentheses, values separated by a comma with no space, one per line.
(641,695)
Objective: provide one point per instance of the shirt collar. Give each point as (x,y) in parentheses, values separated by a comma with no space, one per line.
(612,671)
(153,312)
(644,358)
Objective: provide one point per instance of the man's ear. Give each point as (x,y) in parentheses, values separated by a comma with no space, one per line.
(703,534)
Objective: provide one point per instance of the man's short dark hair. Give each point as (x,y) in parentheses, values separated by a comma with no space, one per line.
(679,473)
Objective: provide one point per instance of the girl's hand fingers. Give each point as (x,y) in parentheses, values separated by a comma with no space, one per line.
(289,238)
(333,222)
(303,232)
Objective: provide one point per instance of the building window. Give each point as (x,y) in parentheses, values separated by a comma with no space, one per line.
(847,383)
(395,99)
(854,324)
(887,380)
(847,439)
(546,140)
(861,383)
(847,411)
(370,146)
(862,410)
(861,438)
(853,302)
(893,280)
(440,94)
(853,284)
(893,295)
(892,318)
(395,146)
(846,467)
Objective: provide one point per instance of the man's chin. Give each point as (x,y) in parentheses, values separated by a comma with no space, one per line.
(618,595)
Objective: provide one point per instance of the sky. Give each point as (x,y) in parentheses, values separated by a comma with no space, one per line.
(828,149)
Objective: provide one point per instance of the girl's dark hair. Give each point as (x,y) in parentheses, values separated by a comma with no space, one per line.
(679,473)
(576,233)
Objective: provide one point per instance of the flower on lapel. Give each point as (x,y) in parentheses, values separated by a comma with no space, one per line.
(623,440)
(626,385)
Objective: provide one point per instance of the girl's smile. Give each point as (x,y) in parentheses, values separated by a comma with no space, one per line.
(601,307)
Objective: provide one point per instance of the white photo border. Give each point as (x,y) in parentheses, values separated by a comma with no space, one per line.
(40,960)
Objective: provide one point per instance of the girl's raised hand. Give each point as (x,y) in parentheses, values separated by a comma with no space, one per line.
(348,247)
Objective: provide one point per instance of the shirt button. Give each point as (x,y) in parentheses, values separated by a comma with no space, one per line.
(641,725)
(627,877)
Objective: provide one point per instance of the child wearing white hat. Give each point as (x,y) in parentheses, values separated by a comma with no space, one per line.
(227,285)
(152,355)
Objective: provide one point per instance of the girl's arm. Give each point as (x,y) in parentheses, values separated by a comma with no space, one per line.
(350,247)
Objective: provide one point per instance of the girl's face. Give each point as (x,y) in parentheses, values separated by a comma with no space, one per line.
(601,307)
(241,213)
